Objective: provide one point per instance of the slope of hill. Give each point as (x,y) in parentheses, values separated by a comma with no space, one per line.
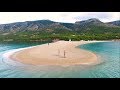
(92,25)
(46,29)
(117,23)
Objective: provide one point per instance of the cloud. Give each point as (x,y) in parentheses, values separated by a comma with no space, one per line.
(71,17)
(103,16)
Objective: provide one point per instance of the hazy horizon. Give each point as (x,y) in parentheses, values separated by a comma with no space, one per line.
(65,17)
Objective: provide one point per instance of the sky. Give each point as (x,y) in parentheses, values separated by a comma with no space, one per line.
(69,17)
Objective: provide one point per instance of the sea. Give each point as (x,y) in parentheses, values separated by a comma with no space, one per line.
(108,53)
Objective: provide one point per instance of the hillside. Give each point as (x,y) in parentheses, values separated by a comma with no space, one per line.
(117,23)
(46,29)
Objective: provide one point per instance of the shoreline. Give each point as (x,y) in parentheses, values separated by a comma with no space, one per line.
(47,54)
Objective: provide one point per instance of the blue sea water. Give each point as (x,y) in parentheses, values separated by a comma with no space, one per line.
(108,52)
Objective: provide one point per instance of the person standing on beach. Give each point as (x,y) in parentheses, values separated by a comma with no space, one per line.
(64,54)
(48,44)
(58,52)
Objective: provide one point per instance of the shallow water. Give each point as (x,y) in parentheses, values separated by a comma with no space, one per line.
(109,53)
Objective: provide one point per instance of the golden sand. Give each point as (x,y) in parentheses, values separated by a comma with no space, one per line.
(53,54)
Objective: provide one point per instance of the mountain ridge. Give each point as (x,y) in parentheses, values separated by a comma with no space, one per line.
(50,26)
(117,22)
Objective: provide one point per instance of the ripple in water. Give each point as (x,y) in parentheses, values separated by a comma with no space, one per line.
(108,51)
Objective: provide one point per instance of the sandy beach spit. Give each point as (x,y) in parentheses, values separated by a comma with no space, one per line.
(58,53)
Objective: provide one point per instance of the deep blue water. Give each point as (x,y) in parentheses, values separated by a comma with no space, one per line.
(108,52)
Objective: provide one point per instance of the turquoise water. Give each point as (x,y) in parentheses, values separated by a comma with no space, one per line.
(108,52)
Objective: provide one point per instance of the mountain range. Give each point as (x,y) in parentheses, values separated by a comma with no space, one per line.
(91,26)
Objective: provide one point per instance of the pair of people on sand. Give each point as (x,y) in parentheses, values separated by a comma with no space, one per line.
(64,53)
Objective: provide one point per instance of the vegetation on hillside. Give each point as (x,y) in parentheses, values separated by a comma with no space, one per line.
(45,30)
(44,36)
